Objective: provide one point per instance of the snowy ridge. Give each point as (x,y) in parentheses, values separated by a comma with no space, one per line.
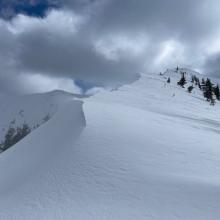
(30,109)
(36,151)
(149,150)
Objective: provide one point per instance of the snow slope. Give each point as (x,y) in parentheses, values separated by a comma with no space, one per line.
(149,150)
(33,110)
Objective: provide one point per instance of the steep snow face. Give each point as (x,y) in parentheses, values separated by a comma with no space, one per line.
(22,165)
(33,110)
(150,150)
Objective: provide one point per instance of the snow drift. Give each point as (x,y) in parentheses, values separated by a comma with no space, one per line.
(149,151)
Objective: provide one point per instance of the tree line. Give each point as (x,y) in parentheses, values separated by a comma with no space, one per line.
(210,91)
(14,134)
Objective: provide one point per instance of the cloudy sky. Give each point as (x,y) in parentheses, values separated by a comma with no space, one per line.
(81,44)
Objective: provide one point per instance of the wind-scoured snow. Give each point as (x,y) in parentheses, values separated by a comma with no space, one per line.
(149,150)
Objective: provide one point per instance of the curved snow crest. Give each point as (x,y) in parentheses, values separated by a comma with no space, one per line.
(32,110)
(39,149)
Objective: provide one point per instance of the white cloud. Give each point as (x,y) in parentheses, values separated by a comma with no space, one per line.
(171,52)
(114,47)
(58,22)
(41,83)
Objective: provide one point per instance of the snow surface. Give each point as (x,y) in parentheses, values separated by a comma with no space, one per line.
(149,150)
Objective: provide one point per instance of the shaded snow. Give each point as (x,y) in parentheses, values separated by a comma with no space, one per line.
(149,151)
(29,109)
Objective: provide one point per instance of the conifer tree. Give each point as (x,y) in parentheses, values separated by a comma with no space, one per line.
(203,84)
(217,92)
(13,136)
(196,80)
(208,92)
(9,138)
(190,88)
(199,85)
(182,81)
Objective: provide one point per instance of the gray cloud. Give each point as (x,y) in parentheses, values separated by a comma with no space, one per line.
(212,65)
(106,42)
